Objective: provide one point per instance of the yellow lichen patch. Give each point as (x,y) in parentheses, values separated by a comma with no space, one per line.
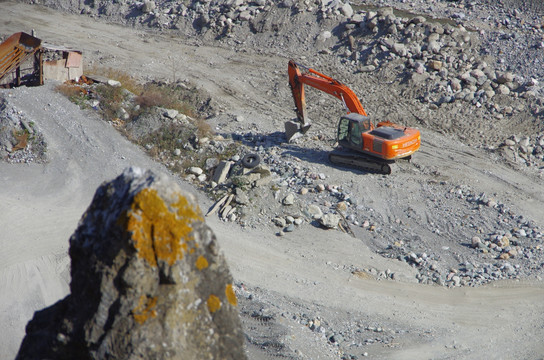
(214,303)
(158,233)
(231,296)
(182,206)
(145,309)
(201,263)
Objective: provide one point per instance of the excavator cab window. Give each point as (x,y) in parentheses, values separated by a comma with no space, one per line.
(343,129)
(355,133)
(366,125)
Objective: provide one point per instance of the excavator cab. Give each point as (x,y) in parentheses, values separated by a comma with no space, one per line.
(350,129)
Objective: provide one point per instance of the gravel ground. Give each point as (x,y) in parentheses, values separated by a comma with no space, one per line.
(431,252)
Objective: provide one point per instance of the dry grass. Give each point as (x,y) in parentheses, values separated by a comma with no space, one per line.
(363,275)
(165,96)
(75,93)
(203,129)
(166,140)
(127,81)
(70,90)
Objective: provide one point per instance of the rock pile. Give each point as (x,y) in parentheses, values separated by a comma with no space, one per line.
(20,142)
(147,282)
(511,248)
(297,194)
(527,150)
(441,60)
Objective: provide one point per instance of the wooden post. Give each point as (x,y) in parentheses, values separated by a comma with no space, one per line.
(39,56)
(18,76)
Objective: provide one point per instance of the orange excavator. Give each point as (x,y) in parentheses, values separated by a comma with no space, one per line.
(369,147)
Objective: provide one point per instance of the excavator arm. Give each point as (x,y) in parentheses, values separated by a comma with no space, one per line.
(297,80)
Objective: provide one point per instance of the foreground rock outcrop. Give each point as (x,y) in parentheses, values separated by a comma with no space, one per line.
(148,282)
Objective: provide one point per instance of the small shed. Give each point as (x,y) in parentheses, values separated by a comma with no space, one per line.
(61,63)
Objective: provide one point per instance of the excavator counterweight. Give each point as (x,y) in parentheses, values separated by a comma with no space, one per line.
(370,147)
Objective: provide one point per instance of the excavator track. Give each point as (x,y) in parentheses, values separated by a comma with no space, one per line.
(363,162)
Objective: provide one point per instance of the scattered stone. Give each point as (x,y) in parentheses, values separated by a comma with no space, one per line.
(211,163)
(346,10)
(289,199)
(171,113)
(289,228)
(245,16)
(435,65)
(148,6)
(476,241)
(505,78)
(330,221)
(342,206)
(314,212)
(113,83)
(367,68)
(195,170)
(503,89)
(503,242)
(241,197)
(221,171)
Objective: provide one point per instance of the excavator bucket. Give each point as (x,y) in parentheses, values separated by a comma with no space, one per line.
(294,129)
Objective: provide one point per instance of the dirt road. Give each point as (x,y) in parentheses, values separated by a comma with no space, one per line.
(310,272)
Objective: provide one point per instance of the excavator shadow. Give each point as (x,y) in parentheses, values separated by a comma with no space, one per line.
(319,157)
(255,139)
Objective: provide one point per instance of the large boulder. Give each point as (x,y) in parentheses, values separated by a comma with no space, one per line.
(148,282)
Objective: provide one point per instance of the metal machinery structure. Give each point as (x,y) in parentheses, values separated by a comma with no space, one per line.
(14,51)
(373,148)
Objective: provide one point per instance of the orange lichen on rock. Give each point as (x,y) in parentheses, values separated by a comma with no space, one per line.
(214,303)
(231,296)
(145,309)
(201,263)
(158,233)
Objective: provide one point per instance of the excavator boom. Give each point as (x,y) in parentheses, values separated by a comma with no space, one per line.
(297,80)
